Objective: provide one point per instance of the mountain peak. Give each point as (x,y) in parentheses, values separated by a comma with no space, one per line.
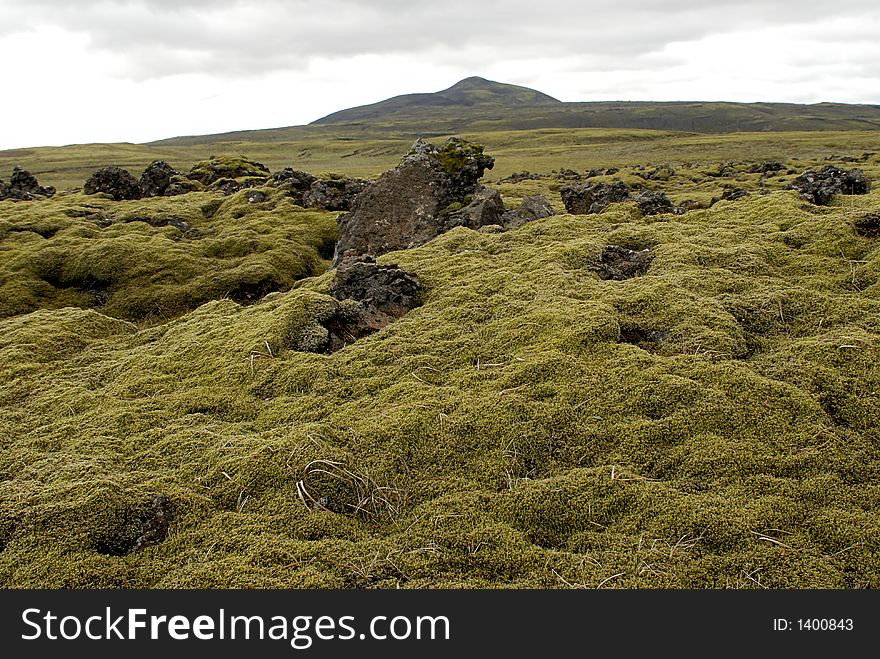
(471,93)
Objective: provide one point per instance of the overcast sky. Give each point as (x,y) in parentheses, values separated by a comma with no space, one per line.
(139,70)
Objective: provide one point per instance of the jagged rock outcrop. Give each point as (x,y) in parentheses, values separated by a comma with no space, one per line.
(586,198)
(156,178)
(115,181)
(819,187)
(653,203)
(333,194)
(384,292)
(370,297)
(486,207)
(293,182)
(530,209)
(23,186)
(429,192)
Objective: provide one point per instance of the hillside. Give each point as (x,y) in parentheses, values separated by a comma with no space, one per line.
(478,105)
(469,94)
(711,421)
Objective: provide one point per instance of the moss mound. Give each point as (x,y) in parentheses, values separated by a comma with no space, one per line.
(712,422)
(156,258)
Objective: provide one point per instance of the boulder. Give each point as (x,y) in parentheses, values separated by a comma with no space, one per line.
(369,295)
(384,292)
(653,203)
(23,186)
(179,184)
(588,198)
(333,194)
(255,196)
(293,182)
(417,200)
(114,181)
(530,209)
(156,178)
(486,207)
(819,187)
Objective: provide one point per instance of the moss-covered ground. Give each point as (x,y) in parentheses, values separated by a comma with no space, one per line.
(516,430)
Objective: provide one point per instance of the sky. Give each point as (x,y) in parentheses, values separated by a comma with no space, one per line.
(142,70)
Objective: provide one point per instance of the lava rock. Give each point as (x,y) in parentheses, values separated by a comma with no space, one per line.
(868,226)
(370,297)
(412,203)
(115,181)
(653,203)
(293,182)
(156,178)
(23,186)
(255,196)
(587,198)
(619,263)
(385,292)
(486,207)
(770,167)
(517,177)
(530,209)
(819,187)
(141,527)
(730,195)
(333,194)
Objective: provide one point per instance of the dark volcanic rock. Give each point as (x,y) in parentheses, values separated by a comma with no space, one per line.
(770,167)
(256,196)
(586,198)
(645,338)
(371,296)
(156,178)
(412,203)
(819,187)
(385,292)
(530,209)
(660,173)
(145,526)
(517,177)
(653,203)
(619,263)
(734,194)
(333,194)
(730,195)
(486,208)
(23,186)
(114,181)
(688,205)
(293,182)
(181,185)
(868,225)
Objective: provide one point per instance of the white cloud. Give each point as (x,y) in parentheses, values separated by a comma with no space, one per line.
(109,70)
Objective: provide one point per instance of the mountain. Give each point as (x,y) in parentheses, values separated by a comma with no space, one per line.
(480,104)
(476,104)
(469,94)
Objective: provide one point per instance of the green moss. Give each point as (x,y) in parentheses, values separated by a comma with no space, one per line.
(509,432)
(136,261)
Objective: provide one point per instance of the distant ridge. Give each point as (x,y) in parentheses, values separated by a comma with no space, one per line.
(476,104)
(470,93)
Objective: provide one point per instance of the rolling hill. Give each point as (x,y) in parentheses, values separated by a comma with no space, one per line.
(476,104)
